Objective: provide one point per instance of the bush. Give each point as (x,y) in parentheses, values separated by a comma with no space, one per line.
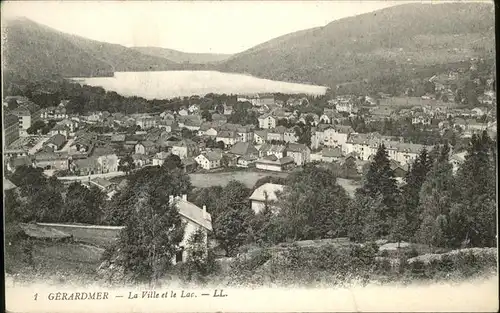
(364,255)
(383,266)
(467,263)
(445,264)
(251,261)
(417,269)
(411,253)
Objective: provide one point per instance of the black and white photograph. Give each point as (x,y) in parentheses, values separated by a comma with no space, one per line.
(249,156)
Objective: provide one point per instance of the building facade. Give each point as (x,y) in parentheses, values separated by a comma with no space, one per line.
(10,129)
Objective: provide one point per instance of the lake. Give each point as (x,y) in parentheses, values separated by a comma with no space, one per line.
(170,84)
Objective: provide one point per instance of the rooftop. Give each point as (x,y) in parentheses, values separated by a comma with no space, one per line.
(243,148)
(213,156)
(57,140)
(227,134)
(8,185)
(297,147)
(101,182)
(267,192)
(194,213)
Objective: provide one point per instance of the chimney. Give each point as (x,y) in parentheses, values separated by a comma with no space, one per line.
(184,197)
(206,215)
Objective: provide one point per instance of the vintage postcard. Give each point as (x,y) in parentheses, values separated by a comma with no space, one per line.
(255,156)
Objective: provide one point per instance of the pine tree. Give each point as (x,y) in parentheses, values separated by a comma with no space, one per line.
(411,190)
(380,182)
(375,222)
(435,200)
(380,178)
(476,183)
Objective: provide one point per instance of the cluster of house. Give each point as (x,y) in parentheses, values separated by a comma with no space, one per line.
(69,145)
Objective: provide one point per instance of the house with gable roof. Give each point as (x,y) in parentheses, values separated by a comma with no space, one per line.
(56,142)
(209,160)
(244,148)
(300,153)
(266,195)
(145,147)
(270,149)
(277,133)
(273,163)
(267,121)
(260,136)
(330,116)
(228,137)
(195,219)
(185,148)
(208,129)
(106,158)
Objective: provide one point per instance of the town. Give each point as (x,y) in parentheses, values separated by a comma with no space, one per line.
(249,169)
(272,134)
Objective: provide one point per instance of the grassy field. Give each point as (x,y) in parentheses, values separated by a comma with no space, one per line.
(56,262)
(94,236)
(249,178)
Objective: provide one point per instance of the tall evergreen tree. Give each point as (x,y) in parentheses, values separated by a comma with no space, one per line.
(435,201)
(380,182)
(410,191)
(380,178)
(476,183)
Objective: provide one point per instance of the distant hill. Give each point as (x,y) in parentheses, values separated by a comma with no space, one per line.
(31,49)
(183,57)
(374,47)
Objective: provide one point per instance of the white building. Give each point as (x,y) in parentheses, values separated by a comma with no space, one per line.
(266,194)
(185,148)
(267,121)
(330,135)
(209,160)
(272,163)
(366,146)
(194,218)
(260,136)
(229,138)
(300,153)
(27,115)
(159,158)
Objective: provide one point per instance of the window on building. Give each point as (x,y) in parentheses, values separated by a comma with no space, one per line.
(179,255)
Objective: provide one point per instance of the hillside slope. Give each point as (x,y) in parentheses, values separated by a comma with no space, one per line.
(384,43)
(183,57)
(32,49)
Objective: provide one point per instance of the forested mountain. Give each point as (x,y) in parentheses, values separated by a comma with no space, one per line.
(31,49)
(389,44)
(183,57)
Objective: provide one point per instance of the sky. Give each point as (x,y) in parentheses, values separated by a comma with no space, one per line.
(189,26)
